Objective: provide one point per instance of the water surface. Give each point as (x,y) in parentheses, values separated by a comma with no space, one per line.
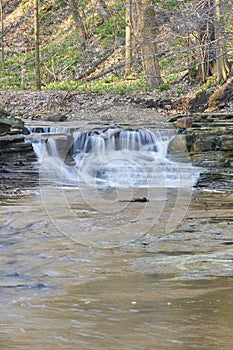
(84,268)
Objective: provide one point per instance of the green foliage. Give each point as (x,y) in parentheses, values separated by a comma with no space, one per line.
(167,3)
(212,81)
(110,29)
(62,85)
(171,3)
(202,91)
(62,58)
(172,78)
(111,84)
(164,86)
(25,4)
(180,91)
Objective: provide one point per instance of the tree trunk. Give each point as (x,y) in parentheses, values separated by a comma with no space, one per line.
(206,58)
(37,44)
(149,46)
(78,23)
(2,37)
(222,65)
(128,38)
(212,55)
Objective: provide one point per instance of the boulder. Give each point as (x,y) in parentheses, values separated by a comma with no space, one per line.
(177,149)
(9,123)
(184,123)
(12,135)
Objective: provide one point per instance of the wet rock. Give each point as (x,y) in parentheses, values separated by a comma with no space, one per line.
(177,144)
(136,200)
(177,149)
(227,142)
(63,144)
(140,200)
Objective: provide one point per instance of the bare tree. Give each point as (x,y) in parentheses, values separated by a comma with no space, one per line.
(207,36)
(2,36)
(37,44)
(128,38)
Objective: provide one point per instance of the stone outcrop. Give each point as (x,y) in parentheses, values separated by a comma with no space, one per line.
(12,134)
(210,146)
(16,155)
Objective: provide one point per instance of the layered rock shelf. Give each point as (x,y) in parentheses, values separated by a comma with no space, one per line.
(16,155)
(210,144)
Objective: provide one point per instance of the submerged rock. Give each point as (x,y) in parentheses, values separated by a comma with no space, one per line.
(136,200)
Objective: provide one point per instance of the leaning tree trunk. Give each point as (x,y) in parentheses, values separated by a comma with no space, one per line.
(37,44)
(82,36)
(149,46)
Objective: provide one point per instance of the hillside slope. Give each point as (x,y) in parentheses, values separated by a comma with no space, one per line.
(64,62)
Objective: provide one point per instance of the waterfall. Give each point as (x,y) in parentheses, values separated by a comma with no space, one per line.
(115,157)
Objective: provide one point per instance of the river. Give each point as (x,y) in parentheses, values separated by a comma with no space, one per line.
(86,267)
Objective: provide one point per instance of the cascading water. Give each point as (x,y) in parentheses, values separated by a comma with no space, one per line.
(89,180)
(114,157)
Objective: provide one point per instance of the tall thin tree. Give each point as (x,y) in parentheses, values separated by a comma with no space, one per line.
(2,37)
(128,38)
(37,45)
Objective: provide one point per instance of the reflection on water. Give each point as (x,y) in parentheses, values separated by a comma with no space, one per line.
(162,291)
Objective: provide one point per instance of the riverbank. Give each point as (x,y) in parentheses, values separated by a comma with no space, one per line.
(69,105)
(61,105)
(209,139)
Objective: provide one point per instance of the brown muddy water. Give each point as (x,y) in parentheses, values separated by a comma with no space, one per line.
(83,268)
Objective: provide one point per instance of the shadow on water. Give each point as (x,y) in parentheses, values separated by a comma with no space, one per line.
(160,289)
